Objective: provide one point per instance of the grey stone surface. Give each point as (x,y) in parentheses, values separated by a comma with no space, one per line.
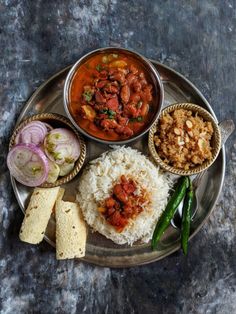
(197,38)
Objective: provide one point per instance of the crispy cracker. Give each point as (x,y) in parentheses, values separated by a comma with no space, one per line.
(38,214)
(71,231)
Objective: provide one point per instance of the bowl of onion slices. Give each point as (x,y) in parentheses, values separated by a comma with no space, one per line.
(45,150)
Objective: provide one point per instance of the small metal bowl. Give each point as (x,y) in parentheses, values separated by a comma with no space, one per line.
(56,121)
(156,81)
(215,141)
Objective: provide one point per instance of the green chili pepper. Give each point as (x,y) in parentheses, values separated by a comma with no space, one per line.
(171,207)
(186,218)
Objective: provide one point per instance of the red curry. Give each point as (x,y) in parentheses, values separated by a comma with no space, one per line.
(111,97)
(123,204)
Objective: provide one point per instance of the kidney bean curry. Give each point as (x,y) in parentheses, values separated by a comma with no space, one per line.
(111,96)
(123,204)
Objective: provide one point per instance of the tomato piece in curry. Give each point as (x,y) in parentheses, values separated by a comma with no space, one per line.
(111,97)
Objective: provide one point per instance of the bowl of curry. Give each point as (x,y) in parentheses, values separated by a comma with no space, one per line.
(113,95)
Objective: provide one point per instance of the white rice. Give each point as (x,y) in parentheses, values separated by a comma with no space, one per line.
(98,180)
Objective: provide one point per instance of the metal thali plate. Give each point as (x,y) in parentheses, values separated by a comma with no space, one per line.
(99,250)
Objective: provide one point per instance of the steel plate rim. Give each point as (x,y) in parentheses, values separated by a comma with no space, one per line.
(177,247)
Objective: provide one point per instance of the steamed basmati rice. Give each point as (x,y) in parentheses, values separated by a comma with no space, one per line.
(98,180)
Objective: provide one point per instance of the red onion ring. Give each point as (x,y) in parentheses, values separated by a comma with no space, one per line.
(33,133)
(61,145)
(48,126)
(28,164)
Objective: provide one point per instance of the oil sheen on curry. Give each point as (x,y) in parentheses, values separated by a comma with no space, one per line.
(111,97)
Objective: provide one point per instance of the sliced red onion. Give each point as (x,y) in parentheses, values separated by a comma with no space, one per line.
(48,126)
(18,138)
(53,173)
(66,168)
(62,146)
(33,133)
(28,164)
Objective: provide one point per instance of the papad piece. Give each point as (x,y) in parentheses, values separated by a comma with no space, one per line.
(71,231)
(38,214)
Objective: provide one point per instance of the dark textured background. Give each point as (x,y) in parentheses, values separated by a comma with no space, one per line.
(196,38)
